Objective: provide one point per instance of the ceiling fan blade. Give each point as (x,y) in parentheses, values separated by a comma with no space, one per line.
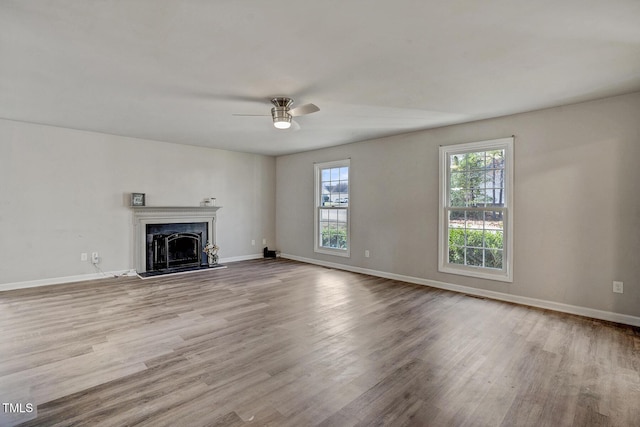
(304,109)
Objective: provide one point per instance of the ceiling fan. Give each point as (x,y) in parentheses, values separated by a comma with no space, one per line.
(282,111)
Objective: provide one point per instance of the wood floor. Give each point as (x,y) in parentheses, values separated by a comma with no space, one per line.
(281,343)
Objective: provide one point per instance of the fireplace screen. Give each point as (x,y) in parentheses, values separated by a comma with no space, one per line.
(175,246)
(176,250)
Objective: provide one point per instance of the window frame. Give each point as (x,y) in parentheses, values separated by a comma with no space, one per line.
(506,273)
(318,167)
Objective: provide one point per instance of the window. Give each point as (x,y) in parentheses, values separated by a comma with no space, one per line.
(332,208)
(476,197)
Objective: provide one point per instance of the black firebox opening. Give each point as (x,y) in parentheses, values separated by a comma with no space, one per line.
(175,246)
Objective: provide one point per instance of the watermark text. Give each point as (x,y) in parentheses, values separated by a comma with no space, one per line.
(17,408)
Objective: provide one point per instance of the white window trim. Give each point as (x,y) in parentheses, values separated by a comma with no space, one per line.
(316,209)
(506,274)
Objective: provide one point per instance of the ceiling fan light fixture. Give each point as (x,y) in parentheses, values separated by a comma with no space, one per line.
(281,117)
(282,124)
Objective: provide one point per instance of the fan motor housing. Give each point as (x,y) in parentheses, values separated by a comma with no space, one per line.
(280,113)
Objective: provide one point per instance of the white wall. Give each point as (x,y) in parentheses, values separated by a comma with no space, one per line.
(63,192)
(577,203)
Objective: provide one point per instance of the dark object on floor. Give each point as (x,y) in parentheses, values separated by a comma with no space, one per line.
(268,253)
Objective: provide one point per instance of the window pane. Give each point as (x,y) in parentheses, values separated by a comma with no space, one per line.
(344,173)
(456,255)
(475,238)
(474,219)
(454,163)
(458,180)
(458,189)
(494,196)
(493,239)
(324,233)
(329,235)
(495,159)
(477,198)
(457,218)
(335,174)
(476,180)
(459,197)
(459,162)
(457,237)
(474,257)
(494,220)
(341,236)
(494,178)
(475,161)
(493,258)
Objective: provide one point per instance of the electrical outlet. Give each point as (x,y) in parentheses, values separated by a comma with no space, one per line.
(264,241)
(366,253)
(618,287)
(95,258)
(253,242)
(83,256)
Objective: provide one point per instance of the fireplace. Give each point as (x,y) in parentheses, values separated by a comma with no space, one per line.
(167,239)
(175,245)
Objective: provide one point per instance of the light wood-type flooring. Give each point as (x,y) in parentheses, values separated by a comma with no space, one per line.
(282,343)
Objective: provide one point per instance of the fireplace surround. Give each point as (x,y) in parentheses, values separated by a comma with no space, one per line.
(171,237)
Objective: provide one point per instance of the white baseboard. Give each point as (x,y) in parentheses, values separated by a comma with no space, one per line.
(533,302)
(66,279)
(241,258)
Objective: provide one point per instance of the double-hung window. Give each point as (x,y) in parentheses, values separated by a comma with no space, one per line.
(476,215)
(332,208)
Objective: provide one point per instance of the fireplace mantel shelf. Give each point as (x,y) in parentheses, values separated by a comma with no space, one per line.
(176,208)
(141,212)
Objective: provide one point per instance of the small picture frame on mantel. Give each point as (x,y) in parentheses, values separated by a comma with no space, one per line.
(138,199)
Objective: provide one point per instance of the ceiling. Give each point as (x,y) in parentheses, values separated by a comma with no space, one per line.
(177,71)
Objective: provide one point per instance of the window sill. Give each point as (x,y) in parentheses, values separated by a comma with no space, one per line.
(337,252)
(480,273)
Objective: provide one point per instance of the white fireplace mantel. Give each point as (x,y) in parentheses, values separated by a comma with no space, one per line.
(143,215)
